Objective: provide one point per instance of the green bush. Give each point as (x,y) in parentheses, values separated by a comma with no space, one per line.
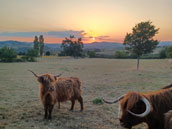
(47,53)
(150,56)
(91,54)
(30,55)
(7,54)
(121,54)
(97,101)
(169,52)
(162,54)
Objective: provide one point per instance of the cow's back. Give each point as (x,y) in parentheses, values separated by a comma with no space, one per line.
(64,89)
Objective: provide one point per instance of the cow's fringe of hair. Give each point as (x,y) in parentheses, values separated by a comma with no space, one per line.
(159,98)
(130,100)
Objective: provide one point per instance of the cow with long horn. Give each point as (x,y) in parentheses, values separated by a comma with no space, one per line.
(144,107)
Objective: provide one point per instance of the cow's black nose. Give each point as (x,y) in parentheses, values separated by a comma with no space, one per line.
(51,88)
(121,120)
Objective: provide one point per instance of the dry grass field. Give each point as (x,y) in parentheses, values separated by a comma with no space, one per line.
(20,106)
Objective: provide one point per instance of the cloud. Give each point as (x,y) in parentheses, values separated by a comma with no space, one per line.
(62,34)
(103,37)
(52,36)
(57,34)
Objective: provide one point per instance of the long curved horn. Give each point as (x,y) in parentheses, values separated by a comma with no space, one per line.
(147,111)
(33,73)
(116,100)
(58,75)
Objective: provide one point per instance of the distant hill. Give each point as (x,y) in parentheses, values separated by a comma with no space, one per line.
(103,45)
(165,43)
(18,46)
(24,46)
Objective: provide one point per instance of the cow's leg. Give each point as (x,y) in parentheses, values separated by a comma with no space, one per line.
(80,99)
(50,111)
(58,105)
(155,126)
(46,111)
(73,103)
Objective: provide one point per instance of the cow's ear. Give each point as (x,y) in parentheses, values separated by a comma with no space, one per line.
(40,79)
(125,104)
(55,77)
(139,107)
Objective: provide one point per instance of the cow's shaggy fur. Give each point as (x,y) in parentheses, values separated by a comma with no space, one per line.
(69,89)
(161,102)
(168,120)
(54,89)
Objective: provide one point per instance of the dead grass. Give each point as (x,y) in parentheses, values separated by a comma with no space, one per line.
(20,106)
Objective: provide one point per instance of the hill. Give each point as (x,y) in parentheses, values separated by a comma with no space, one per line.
(108,46)
(24,46)
(165,43)
(103,45)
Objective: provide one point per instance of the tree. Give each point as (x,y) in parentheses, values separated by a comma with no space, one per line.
(141,41)
(41,45)
(72,47)
(36,44)
(7,54)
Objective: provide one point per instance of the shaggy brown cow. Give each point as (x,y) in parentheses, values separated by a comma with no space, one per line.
(168,120)
(144,107)
(54,89)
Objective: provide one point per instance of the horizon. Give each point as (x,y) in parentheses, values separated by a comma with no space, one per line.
(84,43)
(93,21)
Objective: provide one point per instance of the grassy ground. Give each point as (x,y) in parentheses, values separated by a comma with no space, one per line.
(20,106)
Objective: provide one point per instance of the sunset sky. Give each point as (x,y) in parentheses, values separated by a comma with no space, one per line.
(93,20)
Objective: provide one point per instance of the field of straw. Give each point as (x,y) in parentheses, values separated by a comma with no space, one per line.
(20,106)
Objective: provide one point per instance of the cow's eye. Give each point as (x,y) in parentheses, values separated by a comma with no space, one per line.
(41,79)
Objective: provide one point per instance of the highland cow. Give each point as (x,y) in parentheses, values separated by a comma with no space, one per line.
(54,89)
(145,107)
(168,120)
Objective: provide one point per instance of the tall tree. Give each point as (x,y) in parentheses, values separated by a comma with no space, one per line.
(72,47)
(141,41)
(41,45)
(36,44)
